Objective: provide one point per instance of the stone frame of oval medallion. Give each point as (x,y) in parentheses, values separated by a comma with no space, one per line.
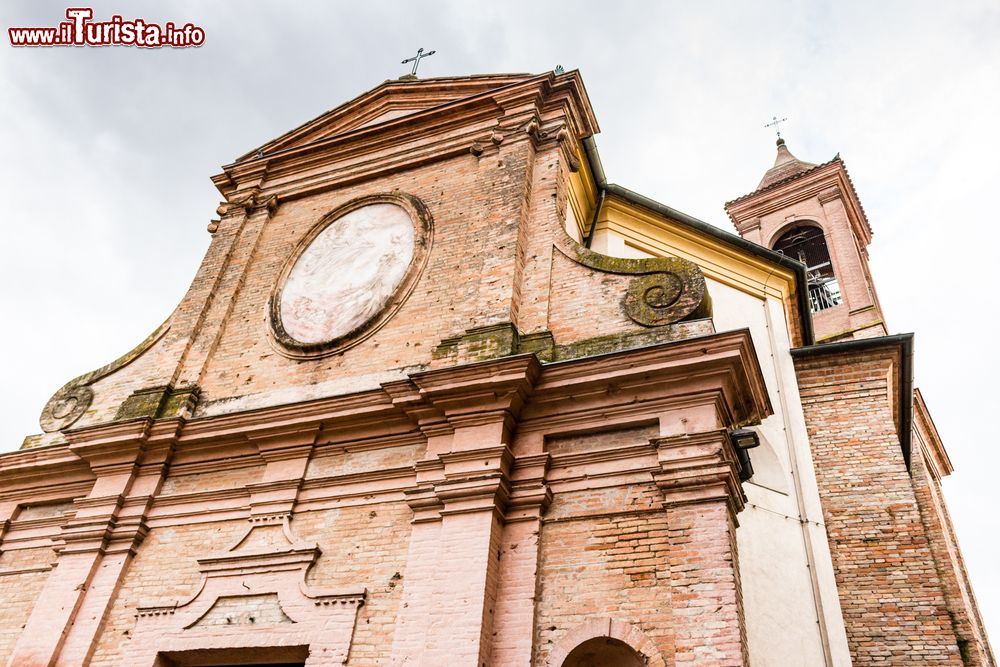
(423,235)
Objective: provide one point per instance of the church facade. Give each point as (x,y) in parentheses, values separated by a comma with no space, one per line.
(440,394)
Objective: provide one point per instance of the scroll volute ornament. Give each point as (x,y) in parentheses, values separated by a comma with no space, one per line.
(65,407)
(662,298)
(664,290)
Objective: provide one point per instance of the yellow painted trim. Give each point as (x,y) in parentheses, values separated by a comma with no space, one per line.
(582,192)
(658,235)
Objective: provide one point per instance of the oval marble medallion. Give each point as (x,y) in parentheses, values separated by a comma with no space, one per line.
(347,274)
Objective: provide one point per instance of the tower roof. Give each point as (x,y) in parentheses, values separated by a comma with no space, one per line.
(785,165)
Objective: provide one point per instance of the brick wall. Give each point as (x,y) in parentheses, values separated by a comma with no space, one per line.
(705,577)
(164,569)
(18,592)
(967,624)
(890,592)
(476,206)
(605,553)
(362,546)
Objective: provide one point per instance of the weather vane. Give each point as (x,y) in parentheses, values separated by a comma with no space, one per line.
(416,59)
(775,123)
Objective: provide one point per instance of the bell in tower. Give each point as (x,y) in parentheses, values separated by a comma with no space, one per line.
(807,244)
(811,213)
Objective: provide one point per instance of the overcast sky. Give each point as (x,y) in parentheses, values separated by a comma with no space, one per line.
(107,154)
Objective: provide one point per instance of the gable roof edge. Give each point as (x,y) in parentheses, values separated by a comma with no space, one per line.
(738,242)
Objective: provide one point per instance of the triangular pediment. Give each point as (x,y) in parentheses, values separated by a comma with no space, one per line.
(387,102)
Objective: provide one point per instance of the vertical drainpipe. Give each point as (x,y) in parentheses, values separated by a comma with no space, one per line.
(593,223)
(594,162)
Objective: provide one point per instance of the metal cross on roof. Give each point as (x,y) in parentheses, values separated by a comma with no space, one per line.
(416,59)
(775,123)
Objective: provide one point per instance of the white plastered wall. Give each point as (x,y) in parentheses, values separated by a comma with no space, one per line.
(789,591)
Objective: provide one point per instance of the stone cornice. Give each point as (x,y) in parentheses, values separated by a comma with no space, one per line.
(290,441)
(482,395)
(215,465)
(500,453)
(826,183)
(38,468)
(528,501)
(561,416)
(489,491)
(330,412)
(97,438)
(438,132)
(723,365)
(718,373)
(112,449)
(545,92)
(935,451)
(24,570)
(498,384)
(366,109)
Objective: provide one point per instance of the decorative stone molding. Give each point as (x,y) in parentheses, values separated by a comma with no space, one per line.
(652,299)
(746,225)
(479,344)
(252,202)
(112,518)
(502,340)
(530,495)
(285,451)
(715,379)
(424,503)
(258,582)
(487,390)
(829,195)
(159,402)
(568,145)
(113,449)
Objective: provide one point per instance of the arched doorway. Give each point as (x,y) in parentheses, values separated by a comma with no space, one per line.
(604,652)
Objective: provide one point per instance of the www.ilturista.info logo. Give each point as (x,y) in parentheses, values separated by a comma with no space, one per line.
(79,30)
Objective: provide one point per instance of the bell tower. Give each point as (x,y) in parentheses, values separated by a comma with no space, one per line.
(811,213)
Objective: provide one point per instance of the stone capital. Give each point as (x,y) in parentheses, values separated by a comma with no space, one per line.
(111,449)
(699,468)
(495,387)
(829,195)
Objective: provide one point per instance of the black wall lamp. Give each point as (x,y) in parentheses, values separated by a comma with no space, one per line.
(743,440)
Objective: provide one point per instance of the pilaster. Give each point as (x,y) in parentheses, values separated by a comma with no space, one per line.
(514,617)
(464,489)
(98,541)
(286,453)
(699,477)
(243,220)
